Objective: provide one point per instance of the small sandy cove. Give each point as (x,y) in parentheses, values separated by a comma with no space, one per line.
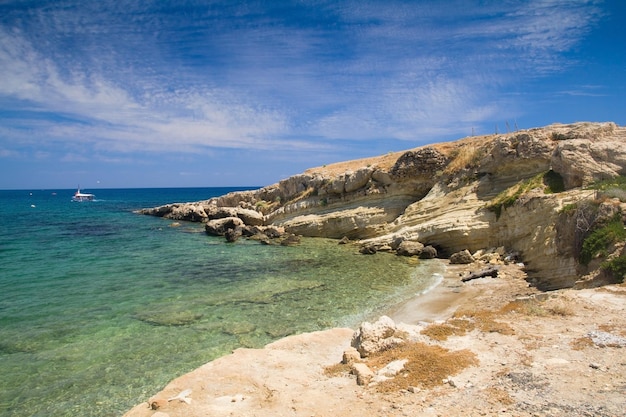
(533,354)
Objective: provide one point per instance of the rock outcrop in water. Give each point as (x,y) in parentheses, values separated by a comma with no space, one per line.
(526,192)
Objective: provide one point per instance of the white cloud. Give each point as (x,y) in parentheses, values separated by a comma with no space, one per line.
(356,71)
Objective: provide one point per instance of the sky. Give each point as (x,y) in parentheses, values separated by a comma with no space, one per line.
(194,93)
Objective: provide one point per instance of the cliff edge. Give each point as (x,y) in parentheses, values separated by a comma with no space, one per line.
(535,196)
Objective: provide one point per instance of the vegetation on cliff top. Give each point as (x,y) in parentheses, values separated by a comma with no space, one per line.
(549,182)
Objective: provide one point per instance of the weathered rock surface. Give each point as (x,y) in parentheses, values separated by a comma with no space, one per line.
(375,337)
(462,257)
(449,196)
(409,248)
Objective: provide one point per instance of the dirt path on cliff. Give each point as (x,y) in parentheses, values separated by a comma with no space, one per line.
(552,354)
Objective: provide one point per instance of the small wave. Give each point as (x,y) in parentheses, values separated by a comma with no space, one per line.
(437,279)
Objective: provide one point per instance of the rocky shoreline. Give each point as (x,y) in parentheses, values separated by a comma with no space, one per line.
(515,215)
(527,191)
(534,354)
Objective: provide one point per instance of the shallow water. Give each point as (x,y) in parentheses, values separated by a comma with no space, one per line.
(101,307)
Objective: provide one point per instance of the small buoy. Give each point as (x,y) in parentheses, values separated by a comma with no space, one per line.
(32,205)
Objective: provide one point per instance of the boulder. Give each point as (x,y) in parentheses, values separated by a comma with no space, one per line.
(410,248)
(192,212)
(232,235)
(357,179)
(422,163)
(462,257)
(274,232)
(368,249)
(218,227)
(376,337)
(250,217)
(428,252)
(290,240)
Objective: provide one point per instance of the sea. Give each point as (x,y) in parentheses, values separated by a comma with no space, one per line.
(100,307)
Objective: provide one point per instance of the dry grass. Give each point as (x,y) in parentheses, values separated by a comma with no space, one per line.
(612,328)
(560,309)
(338,369)
(485,321)
(581,343)
(498,395)
(533,307)
(452,327)
(427,365)
(384,162)
(464,157)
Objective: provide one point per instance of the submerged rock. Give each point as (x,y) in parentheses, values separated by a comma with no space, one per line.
(168,317)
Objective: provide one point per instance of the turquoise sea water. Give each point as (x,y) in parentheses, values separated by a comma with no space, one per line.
(101,307)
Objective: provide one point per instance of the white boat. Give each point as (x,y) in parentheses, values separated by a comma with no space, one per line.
(78,196)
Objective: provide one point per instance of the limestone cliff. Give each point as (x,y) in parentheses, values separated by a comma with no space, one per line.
(511,190)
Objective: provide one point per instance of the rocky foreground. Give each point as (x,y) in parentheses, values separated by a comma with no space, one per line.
(516,214)
(504,350)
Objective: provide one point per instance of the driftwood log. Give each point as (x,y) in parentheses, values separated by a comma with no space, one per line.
(487,272)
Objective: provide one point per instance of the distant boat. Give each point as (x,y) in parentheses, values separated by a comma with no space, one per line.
(80,197)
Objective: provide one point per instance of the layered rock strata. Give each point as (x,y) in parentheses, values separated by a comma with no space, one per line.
(511,190)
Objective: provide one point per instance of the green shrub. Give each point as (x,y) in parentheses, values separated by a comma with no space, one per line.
(611,188)
(617,266)
(598,242)
(569,208)
(509,196)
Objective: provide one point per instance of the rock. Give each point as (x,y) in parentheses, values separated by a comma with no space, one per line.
(274,232)
(157,402)
(232,235)
(368,249)
(350,356)
(390,370)
(290,240)
(463,257)
(429,252)
(218,227)
(423,163)
(410,248)
(382,177)
(344,240)
(357,179)
(605,339)
(396,241)
(450,382)
(250,217)
(376,337)
(363,373)
(262,238)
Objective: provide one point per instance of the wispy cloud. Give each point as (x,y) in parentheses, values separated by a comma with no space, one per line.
(191,77)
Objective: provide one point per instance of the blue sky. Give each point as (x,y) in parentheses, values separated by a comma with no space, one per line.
(131,93)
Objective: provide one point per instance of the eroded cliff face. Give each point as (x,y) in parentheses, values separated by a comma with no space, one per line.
(475,193)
